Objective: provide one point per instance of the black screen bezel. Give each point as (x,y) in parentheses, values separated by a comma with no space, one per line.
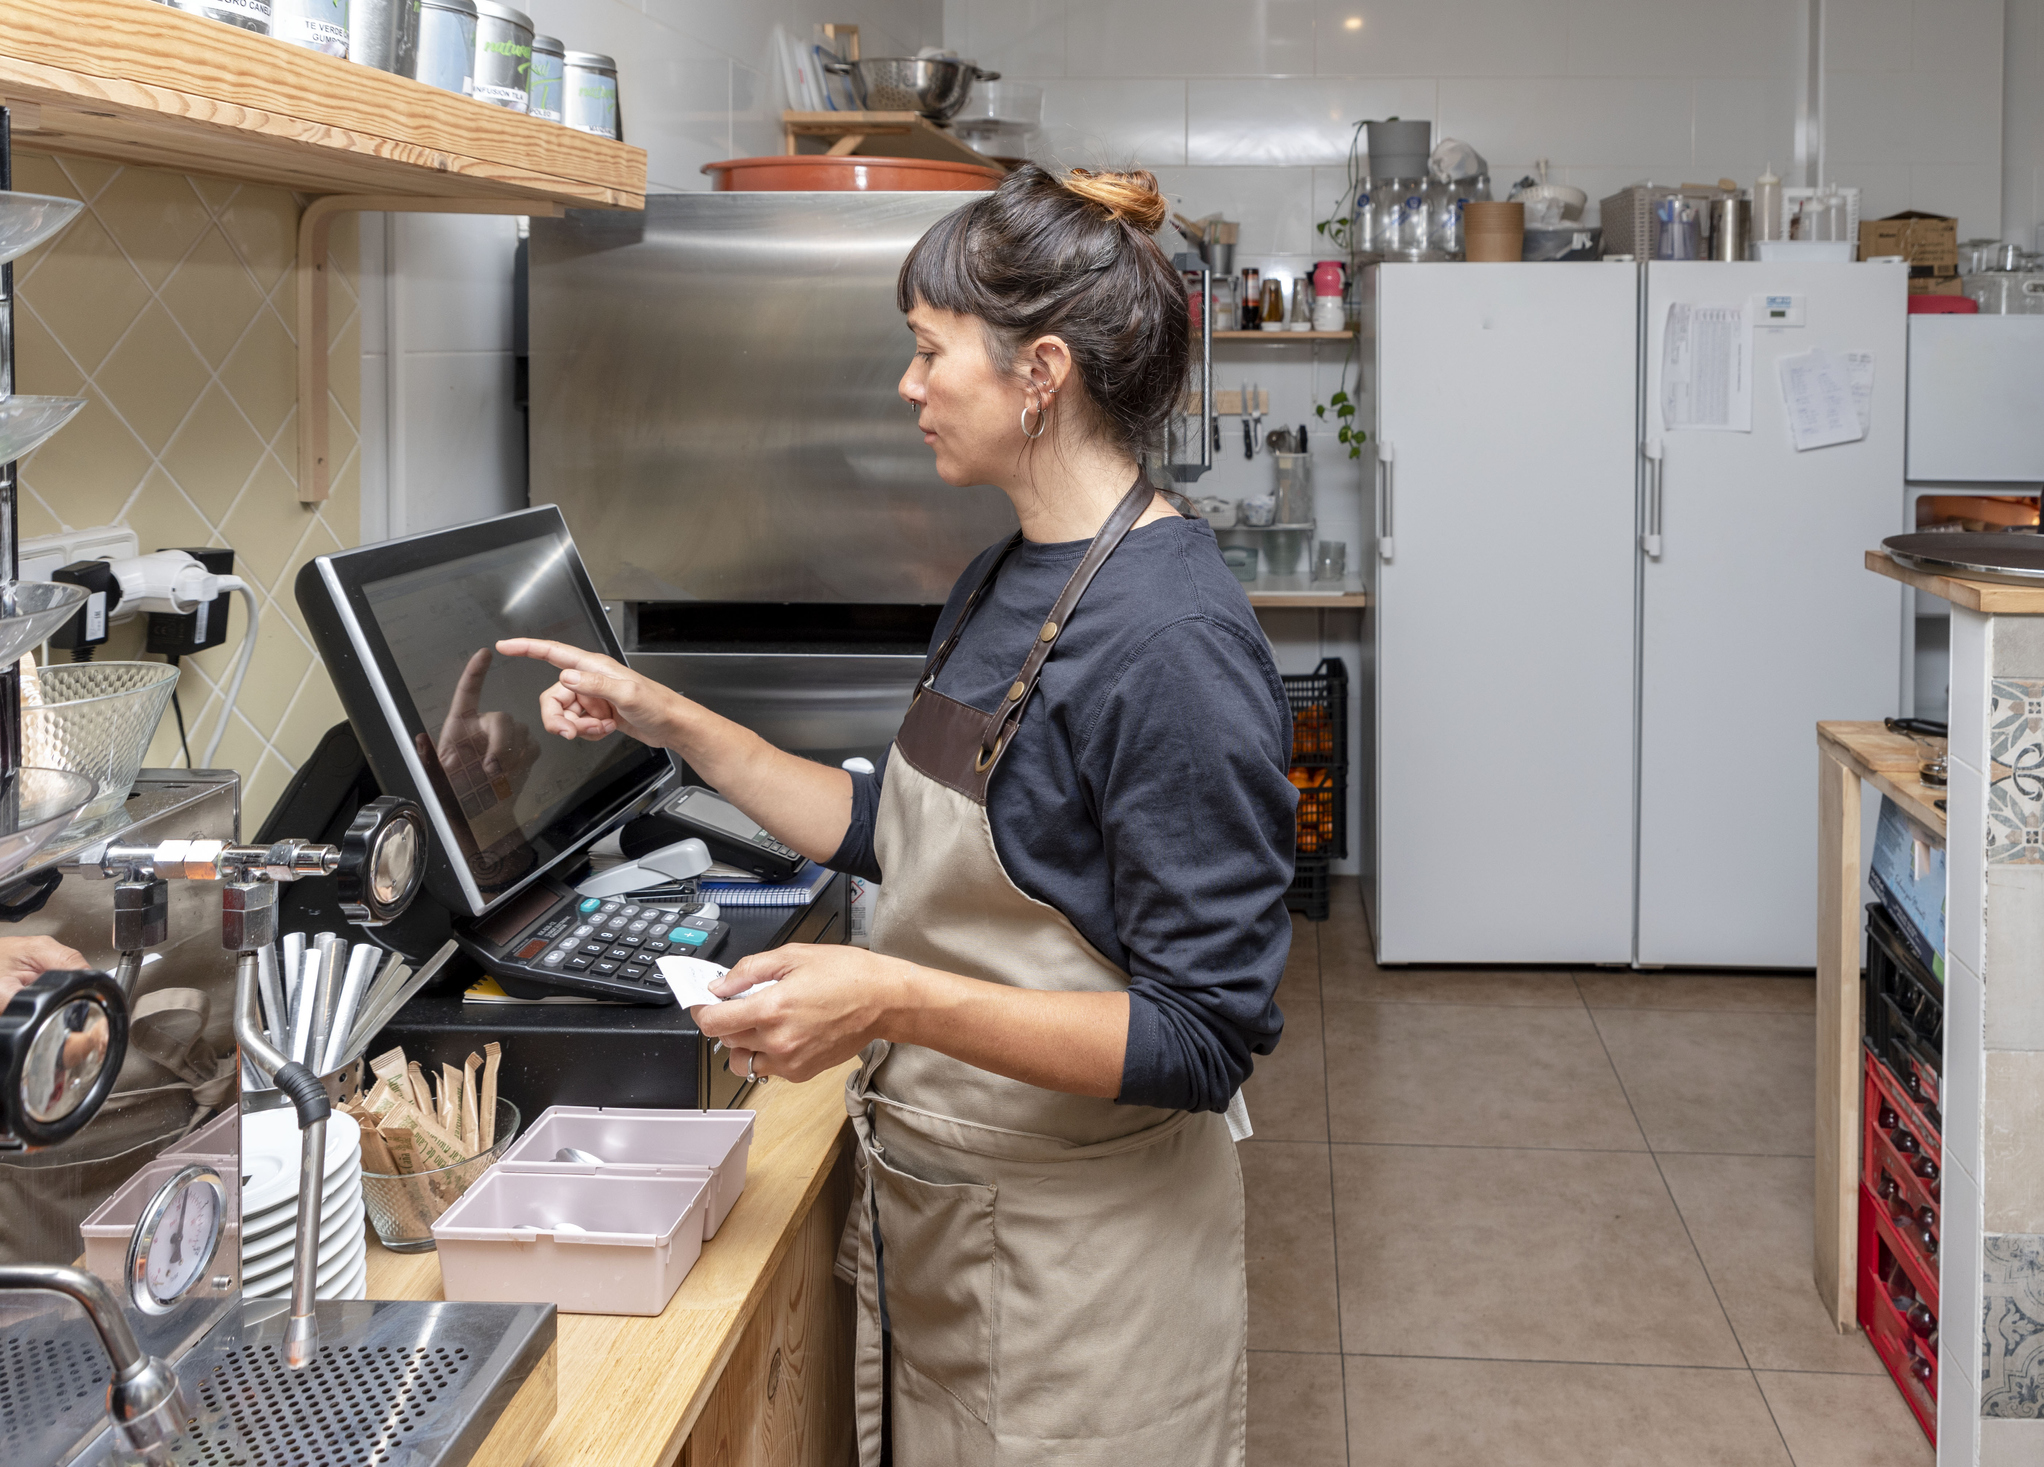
(387,722)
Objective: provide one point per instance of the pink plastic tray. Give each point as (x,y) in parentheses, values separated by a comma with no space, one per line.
(650,1142)
(503,1241)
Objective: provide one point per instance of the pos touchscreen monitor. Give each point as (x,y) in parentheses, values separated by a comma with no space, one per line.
(408,629)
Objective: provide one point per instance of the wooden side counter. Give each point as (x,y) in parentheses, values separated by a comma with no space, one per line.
(1847,754)
(751,1362)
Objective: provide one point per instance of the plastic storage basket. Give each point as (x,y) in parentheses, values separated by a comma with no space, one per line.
(1319,770)
(708,1143)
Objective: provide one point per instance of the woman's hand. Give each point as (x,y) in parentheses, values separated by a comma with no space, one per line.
(596,696)
(25,959)
(828,1003)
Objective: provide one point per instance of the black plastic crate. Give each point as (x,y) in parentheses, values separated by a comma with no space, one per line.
(1310,893)
(1319,702)
(1904,1017)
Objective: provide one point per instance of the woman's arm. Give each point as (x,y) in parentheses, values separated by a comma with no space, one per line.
(833,1001)
(801,803)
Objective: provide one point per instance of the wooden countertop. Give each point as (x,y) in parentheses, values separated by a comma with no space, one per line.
(1889,762)
(1992,597)
(631,1389)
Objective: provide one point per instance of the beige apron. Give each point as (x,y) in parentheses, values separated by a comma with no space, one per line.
(1063,1276)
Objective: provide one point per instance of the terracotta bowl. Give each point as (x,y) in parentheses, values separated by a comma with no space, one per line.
(820,174)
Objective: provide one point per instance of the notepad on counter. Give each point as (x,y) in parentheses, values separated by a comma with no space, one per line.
(798,891)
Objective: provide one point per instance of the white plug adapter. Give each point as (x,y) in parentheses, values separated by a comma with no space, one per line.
(168,580)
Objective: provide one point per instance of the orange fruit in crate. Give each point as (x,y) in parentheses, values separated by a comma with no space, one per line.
(1316,808)
(1312,733)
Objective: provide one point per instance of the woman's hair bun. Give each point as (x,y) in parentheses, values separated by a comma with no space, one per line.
(1130,197)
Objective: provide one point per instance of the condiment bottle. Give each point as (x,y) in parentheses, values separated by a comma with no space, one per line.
(1767,205)
(1302,304)
(1252,299)
(1273,318)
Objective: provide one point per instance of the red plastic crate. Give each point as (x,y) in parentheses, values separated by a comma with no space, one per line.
(1889,1176)
(1911,1360)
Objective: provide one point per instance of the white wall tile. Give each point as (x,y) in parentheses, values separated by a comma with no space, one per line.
(1966,867)
(1113,123)
(1015,37)
(1296,121)
(1625,38)
(1612,122)
(472,461)
(1883,187)
(1868,35)
(1959,1289)
(2007,1442)
(1189,38)
(374,445)
(739,31)
(1275,206)
(1962,1080)
(1429,37)
(755,114)
(2022,111)
(1956,37)
(1970,663)
(370,282)
(1884,118)
(1969,192)
(1742,124)
(457,292)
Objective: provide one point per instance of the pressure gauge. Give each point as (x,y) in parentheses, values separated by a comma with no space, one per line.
(176,1239)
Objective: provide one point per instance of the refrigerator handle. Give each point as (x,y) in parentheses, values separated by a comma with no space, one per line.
(1650,542)
(1387,462)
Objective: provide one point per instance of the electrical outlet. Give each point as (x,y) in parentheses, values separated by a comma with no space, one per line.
(46,554)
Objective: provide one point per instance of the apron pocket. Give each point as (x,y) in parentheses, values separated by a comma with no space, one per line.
(937,1262)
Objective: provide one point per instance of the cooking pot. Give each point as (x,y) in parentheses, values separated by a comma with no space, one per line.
(936,87)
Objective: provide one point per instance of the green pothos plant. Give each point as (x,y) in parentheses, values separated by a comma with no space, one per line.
(1348,432)
(1337,229)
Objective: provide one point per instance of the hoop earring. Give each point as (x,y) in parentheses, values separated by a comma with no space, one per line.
(1042,422)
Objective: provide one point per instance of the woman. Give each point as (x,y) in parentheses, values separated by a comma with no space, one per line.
(1083,834)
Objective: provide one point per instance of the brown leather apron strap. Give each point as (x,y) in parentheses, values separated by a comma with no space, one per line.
(937,659)
(1000,724)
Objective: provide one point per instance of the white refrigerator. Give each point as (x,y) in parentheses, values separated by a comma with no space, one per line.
(1598,641)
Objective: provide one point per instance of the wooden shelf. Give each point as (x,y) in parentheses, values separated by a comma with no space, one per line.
(881,135)
(1306,600)
(1990,597)
(135,82)
(1282,336)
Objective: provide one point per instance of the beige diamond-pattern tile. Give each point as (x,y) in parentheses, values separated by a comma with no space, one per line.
(263,223)
(213,454)
(41,364)
(85,291)
(241,747)
(32,516)
(267,524)
(215,191)
(212,296)
(259,791)
(38,173)
(90,176)
(320,540)
(275,671)
(155,216)
(317,709)
(162,518)
(88,471)
(344,369)
(342,511)
(154,376)
(344,252)
(261,373)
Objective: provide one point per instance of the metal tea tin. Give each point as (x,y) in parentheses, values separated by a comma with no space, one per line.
(317,25)
(589,94)
(447,45)
(250,15)
(384,34)
(545,80)
(503,55)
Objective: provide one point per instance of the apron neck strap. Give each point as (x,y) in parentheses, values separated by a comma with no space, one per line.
(1009,710)
(942,655)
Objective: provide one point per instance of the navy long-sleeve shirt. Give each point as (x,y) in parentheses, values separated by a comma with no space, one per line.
(1144,794)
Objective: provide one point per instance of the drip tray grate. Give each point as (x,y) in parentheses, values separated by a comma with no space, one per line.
(354,1406)
(49,1386)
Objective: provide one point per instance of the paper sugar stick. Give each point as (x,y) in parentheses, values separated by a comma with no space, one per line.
(421,1092)
(450,1101)
(471,1127)
(486,1103)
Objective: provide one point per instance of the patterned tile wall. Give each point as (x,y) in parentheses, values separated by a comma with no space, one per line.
(169,305)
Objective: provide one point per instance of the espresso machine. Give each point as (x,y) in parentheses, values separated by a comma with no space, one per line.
(121,1088)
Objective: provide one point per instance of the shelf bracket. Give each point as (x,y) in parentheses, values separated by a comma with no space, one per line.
(314,465)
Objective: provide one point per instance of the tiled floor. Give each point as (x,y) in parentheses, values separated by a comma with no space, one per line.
(1532,1217)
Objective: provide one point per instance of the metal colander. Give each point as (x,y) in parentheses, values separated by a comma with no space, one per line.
(96,718)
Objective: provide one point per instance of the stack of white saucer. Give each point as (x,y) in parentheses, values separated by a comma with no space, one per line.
(269,1207)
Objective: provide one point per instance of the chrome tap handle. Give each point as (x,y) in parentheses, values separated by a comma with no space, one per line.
(143,1397)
